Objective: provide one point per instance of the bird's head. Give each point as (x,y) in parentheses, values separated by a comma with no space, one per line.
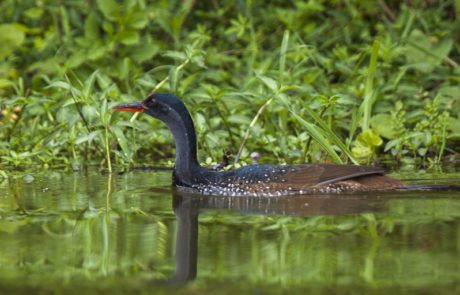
(158,105)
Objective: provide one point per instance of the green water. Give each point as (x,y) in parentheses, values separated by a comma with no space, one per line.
(128,232)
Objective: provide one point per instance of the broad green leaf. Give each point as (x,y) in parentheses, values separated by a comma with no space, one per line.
(270,83)
(97,52)
(199,61)
(91,27)
(392,144)
(75,59)
(11,37)
(88,86)
(177,55)
(239,119)
(4,83)
(366,144)
(34,12)
(385,125)
(362,152)
(139,20)
(108,27)
(60,84)
(200,121)
(109,8)
(426,52)
(369,138)
(145,52)
(88,137)
(129,37)
(448,93)
(453,124)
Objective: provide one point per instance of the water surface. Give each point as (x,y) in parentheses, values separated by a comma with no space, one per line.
(129,232)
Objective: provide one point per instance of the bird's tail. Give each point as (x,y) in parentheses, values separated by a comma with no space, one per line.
(431,187)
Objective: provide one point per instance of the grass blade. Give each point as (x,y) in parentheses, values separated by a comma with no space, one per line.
(319,135)
(330,134)
(284,48)
(369,92)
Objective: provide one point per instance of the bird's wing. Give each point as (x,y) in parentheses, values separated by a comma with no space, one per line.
(320,174)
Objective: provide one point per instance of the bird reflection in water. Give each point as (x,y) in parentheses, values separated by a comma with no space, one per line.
(188,205)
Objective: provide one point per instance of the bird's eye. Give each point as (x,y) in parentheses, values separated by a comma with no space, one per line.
(151,103)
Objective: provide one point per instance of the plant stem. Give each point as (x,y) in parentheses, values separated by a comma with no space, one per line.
(107,150)
(254,121)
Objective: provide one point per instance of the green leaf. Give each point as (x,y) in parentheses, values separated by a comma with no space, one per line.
(393,144)
(97,52)
(453,125)
(139,20)
(76,59)
(362,152)
(91,27)
(330,134)
(369,138)
(177,55)
(369,90)
(108,27)
(425,52)
(145,52)
(88,137)
(88,86)
(199,61)
(366,144)
(270,83)
(385,125)
(60,84)
(422,151)
(239,119)
(109,8)
(315,132)
(173,79)
(448,93)
(4,83)
(129,37)
(200,121)
(11,37)
(123,142)
(34,12)
(282,62)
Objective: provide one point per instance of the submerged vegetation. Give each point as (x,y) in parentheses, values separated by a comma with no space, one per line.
(319,80)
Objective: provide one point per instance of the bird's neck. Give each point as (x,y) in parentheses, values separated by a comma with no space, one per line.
(183,131)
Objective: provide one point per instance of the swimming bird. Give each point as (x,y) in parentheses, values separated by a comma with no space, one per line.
(252,180)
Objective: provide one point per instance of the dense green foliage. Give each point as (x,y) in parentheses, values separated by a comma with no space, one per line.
(333,80)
